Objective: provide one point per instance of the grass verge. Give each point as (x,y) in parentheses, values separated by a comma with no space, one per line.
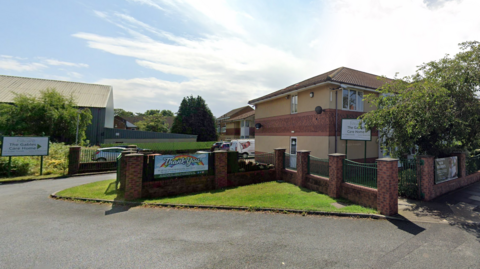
(264,195)
(29,178)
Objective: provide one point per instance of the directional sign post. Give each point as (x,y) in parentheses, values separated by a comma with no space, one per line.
(25,146)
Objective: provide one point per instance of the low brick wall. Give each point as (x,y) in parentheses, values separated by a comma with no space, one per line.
(97,167)
(448,186)
(176,186)
(253,177)
(317,183)
(289,176)
(185,185)
(360,195)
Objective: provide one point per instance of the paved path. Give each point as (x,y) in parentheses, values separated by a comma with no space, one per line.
(38,232)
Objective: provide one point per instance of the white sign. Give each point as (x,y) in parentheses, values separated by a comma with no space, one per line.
(351,131)
(24,146)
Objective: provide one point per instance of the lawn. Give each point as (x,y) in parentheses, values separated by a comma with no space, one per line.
(171,145)
(264,195)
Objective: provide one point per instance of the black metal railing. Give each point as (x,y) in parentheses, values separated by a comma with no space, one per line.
(472,164)
(88,155)
(364,174)
(290,161)
(265,158)
(319,167)
(409,177)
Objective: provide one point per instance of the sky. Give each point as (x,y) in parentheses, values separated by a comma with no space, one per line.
(155,52)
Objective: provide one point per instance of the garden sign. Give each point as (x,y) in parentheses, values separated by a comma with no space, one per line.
(180,165)
(24,146)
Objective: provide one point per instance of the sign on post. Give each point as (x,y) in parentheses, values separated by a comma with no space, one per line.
(180,165)
(446,169)
(24,146)
(351,131)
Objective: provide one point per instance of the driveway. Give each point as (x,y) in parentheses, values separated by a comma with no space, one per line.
(39,232)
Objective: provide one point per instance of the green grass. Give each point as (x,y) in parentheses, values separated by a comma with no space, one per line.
(171,145)
(264,195)
(26,178)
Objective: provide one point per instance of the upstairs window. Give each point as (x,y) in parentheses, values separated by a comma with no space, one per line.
(294,104)
(352,100)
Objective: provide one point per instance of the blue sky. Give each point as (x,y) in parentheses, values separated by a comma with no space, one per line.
(155,52)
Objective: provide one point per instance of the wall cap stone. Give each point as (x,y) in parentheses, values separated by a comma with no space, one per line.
(133,155)
(220,151)
(336,154)
(387,159)
(280,149)
(426,156)
(303,151)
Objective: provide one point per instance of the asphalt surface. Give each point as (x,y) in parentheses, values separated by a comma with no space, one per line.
(39,232)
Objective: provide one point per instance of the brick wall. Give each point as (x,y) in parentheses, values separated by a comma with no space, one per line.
(176,186)
(289,176)
(360,195)
(134,171)
(316,183)
(74,160)
(306,123)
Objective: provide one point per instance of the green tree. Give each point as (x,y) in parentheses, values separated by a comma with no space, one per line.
(153,123)
(436,109)
(194,117)
(167,113)
(123,113)
(51,114)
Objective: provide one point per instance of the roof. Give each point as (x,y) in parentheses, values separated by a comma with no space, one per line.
(232,112)
(243,116)
(343,75)
(85,95)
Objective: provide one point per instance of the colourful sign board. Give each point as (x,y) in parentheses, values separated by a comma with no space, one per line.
(180,165)
(351,131)
(446,169)
(25,146)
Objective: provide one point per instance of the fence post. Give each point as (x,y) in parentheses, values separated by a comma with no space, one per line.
(428,177)
(74,160)
(387,186)
(335,166)
(461,163)
(221,172)
(123,169)
(134,173)
(279,163)
(302,166)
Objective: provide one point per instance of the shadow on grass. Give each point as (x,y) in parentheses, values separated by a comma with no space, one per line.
(117,206)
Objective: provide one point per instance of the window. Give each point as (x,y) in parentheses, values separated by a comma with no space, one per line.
(352,100)
(294,104)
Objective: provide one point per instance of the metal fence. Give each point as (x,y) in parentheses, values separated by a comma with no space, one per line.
(319,167)
(364,174)
(265,158)
(290,161)
(409,177)
(87,155)
(472,164)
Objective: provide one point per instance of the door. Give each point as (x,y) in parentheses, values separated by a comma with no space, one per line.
(293,152)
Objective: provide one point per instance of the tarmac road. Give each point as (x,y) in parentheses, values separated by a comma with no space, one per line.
(39,232)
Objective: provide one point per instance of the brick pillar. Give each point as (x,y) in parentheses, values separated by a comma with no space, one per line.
(461,162)
(302,166)
(428,177)
(279,163)
(123,169)
(387,186)
(74,160)
(335,166)
(133,180)
(221,172)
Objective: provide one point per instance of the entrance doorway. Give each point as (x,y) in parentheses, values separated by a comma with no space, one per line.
(293,152)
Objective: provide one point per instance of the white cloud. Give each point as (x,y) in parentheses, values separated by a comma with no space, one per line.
(8,63)
(62,63)
(238,55)
(75,74)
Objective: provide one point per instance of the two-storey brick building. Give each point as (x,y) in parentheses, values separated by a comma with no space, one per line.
(287,117)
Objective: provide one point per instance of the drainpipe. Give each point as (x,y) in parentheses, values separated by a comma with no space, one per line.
(336,120)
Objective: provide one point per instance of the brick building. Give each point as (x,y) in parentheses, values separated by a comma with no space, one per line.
(237,123)
(288,118)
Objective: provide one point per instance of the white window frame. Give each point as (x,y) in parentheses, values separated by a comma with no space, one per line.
(357,101)
(294,104)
